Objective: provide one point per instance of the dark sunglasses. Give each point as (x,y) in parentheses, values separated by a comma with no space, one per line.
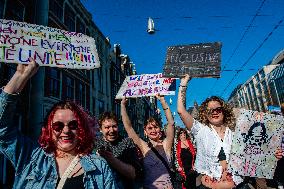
(58,126)
(215,110)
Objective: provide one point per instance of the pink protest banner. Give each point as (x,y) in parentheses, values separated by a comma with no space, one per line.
(146,85)
(256,139)
(48,46)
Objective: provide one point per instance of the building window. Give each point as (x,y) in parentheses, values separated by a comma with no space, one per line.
(100,78)
(15,10)
(69,18)
(81,94)
(55,6)
(70,87)
(2,8)
(101,107)
(80,27)
(52,82)
(94,106)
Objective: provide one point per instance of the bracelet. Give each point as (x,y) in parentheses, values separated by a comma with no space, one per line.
(182,86)
(165,108)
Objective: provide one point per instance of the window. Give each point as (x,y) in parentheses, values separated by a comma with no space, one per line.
(94,106)
(69,87)
(69,18)
(2,8)
(55,6)
(15,10)
(52,82)
(100,79)
(81,94)
(101,107)
(106,81)
(80,27)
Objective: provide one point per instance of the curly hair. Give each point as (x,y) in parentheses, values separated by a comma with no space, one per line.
(107,115)
(85,131)
(229,117)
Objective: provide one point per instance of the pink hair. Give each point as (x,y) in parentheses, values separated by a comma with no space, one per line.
(86,129)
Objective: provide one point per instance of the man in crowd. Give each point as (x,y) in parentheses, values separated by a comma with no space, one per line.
(120,153)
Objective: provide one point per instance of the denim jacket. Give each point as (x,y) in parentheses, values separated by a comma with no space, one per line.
(34,168)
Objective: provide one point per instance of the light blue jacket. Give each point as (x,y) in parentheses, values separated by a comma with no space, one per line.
(34,168)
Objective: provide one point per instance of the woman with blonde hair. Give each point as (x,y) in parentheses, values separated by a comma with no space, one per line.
(213,133)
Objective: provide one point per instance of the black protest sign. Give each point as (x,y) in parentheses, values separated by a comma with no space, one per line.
(197,60)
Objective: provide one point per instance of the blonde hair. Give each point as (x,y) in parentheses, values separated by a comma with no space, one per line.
(229,117)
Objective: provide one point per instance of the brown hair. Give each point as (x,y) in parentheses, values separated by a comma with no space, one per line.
(182,130)
(107,115)
(229,117)
(151,120)
(282,108)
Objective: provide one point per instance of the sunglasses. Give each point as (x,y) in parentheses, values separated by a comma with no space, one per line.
(215,110)
(58,126)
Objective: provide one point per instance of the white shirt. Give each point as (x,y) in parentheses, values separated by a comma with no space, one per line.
(208,144)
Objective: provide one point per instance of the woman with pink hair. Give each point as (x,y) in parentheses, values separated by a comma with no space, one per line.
(63,157)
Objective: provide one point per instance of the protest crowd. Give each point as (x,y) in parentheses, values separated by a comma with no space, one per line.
(67,154)
(220,148)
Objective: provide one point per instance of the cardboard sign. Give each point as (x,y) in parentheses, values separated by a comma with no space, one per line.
(146,85)
(47,46)
(256,139)
(197,60)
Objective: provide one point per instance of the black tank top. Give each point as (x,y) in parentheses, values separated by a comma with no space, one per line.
(186,159)
(74,182)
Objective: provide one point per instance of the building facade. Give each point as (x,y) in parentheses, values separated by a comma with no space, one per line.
(264,89)
(90,88)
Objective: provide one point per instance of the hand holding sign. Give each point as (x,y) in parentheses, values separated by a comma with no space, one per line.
(21,76)
(184,80)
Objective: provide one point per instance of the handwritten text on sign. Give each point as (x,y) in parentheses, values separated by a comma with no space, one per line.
(197,60)
(48,46)
(146,85)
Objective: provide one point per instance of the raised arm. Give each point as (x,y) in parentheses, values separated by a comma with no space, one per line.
(20,78)
(128,127)
(13,145)
(170,125)
(183,113)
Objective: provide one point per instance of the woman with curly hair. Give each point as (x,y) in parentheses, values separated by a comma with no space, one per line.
(213,133)
(185,156)
(63,157)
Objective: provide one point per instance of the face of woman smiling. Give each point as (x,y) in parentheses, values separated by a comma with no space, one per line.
(65,138)
(215,117)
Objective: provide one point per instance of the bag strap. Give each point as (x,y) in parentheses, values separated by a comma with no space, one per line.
(67,172)
(162,159)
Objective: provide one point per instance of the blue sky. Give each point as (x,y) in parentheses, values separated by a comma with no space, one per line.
(251,33)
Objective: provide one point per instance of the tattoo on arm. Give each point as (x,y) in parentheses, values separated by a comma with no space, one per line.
(183,94)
